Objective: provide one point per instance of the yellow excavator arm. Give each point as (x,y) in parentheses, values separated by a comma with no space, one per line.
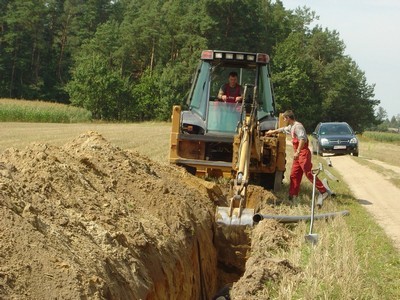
(237,213)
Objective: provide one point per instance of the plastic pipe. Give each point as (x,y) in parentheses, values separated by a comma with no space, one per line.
(294,219)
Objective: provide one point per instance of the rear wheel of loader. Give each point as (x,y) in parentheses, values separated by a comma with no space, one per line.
(278,181)
(271,181)
(266,180)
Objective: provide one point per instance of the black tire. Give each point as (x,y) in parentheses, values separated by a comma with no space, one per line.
(355,153)
(271,181)
(320,153)
(266,180)
(278,178)
(314,151)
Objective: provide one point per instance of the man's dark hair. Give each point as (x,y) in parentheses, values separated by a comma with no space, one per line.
(233,74)
(289,114)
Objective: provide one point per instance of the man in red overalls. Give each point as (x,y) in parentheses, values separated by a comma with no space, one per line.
(302,157)
(231,92)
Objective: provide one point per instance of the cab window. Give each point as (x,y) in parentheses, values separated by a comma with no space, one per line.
(199,95)
(265,91)
(220,74)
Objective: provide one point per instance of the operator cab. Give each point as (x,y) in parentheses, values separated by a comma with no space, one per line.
(211,117)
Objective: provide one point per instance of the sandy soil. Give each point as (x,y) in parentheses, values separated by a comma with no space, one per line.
(379,196)
(385,165)
(89,220)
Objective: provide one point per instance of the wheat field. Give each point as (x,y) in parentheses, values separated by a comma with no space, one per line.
(150,139)
(16,110)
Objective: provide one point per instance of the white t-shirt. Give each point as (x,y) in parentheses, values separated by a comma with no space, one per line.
(296,130)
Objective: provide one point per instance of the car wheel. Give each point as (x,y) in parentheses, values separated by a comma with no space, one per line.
(355,153)
(320,153)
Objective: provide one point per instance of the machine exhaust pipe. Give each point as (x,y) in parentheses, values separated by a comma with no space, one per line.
(294,219)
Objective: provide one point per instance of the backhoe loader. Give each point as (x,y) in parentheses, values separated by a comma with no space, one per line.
(214,138)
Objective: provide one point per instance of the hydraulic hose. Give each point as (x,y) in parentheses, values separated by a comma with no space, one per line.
(294,219)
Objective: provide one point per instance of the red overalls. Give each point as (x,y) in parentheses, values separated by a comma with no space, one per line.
(231,98)
(302,165)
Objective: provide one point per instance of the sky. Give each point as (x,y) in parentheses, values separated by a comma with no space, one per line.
(370,30)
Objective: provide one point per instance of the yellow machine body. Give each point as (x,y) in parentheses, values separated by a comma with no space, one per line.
(214,138)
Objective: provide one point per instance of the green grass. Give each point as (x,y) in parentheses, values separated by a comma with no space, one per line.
(386,137)
(12,110)
(387,152)
(379,260)
(354,258)
(373,152)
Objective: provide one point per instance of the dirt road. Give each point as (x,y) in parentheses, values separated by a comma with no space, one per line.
(379,196)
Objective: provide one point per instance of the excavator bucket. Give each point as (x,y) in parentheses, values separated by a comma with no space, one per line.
(239,216)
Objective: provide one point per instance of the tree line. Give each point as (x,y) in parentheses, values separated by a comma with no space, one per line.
(134,59)
(383,122)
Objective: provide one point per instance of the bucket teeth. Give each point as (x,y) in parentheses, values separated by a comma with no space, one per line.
(246,216)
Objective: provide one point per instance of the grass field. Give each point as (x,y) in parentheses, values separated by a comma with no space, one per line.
(12,110)
(388,152)
(354,259)
(347,263)
(386,137)
(151,139)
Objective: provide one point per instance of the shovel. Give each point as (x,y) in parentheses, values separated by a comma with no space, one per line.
(313,237)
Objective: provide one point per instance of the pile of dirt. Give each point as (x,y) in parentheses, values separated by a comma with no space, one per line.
(264,268)
(89,220)
(92,221)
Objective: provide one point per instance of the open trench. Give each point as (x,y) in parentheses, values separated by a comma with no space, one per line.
(212,262)
(235,262)
(232,244)
(206,268)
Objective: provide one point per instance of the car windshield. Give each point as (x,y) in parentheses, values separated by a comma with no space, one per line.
(335,129)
